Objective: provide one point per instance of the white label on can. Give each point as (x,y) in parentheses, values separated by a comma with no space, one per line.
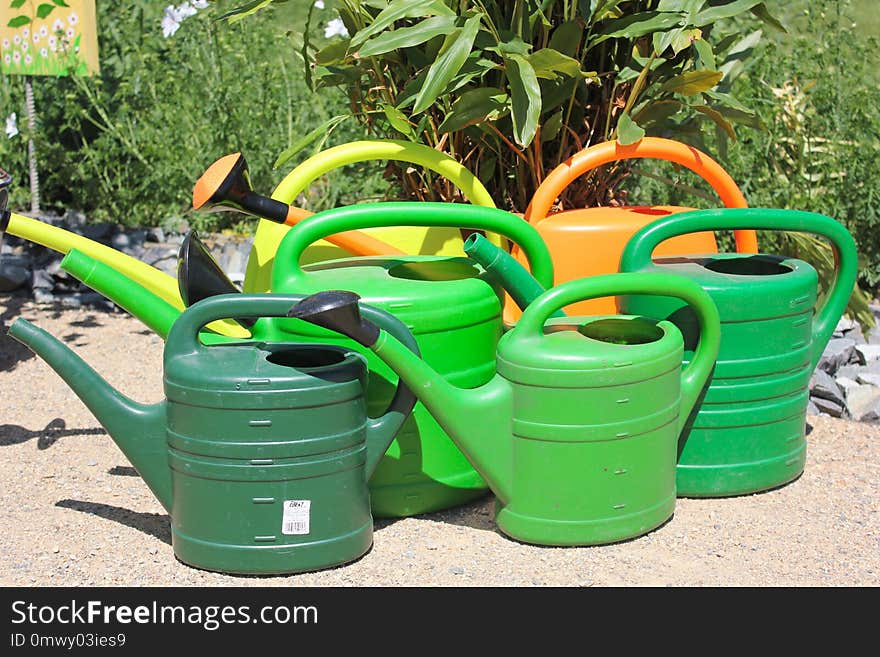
(296,517)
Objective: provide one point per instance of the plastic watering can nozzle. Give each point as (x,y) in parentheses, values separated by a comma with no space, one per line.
(199,276)
(337,310)
(519,283)
(226,185)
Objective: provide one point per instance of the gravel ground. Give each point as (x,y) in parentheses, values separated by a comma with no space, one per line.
(73,511)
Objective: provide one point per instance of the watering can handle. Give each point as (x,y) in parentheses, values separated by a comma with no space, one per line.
(374,215)
(637,253)
(316,166)
(183,338)
(648,147)
(695,375)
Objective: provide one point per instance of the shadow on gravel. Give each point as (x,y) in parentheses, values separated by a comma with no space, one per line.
(478,514)
(153,524)
(12,352)
(14,434)
(123,471)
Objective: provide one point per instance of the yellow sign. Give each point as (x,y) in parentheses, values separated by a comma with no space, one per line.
(48,37)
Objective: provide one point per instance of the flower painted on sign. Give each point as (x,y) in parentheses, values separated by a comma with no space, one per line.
(25,33)
(24,46)
(58,25)
(7,58)
(53,42)
(70,33)
(28,59)
(36,37)
(16,57)
(11,123)
(335,27)
(5,44)
(44,31)
(16,39)
(73,19)
(44,52)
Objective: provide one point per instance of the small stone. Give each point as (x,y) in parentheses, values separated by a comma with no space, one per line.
(156,235)
(837,353)
(823,385)
(120,241)
(850,371)
(845,324)
(431,546)
(457,570)
(869,378)
(154,550)
(856,334)
(409,554)
(91,462)
(97,231)
(867,352)
(874,335)
(863,401)
(56,549)
(846,383)
(812,409)
(827,406)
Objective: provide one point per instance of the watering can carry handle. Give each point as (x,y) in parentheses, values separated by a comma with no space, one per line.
(316,166)
(374,215)
(695,375)
(637,253)
(183,336)
(648,147)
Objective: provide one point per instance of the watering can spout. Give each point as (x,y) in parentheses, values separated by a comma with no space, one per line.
(504,269)
(476,419)
(138,429)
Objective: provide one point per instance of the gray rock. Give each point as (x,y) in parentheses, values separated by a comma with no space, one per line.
(42,280)
(846,383)
(869,378)
(874,335)
(15,271)
(867,352)
(856,334)
(850,371)
(156,235)
(120,241)
(812,409)
(97,231)
(823,385)
(863,402)
(837,353)
(827,406)
(845,324)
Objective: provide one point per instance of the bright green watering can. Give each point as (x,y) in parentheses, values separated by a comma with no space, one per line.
(452,306)
(749,433)
(262,451)
(576,434)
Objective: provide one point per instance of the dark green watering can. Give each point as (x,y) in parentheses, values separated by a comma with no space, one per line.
(262,451)
(749,433)
(451,305)
(576,434)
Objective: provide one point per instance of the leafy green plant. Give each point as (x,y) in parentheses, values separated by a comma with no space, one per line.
(511,89)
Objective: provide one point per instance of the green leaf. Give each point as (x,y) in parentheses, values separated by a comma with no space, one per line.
(761,12)
(716,116)
(44,10)
(398,120)
(550,128)
(247,9)
(525,97)
(60,3)
(704,50)
(18,21)
(15,4)
(727,100)
(300,144)
(628,131)
(567,37)
(634,26)
(692,82)
(658,111)
(398,10)
(455,50)
(598,8)
(734,61)
(548,62)
(406,37)
(473,107)
(728,10)
(334,53)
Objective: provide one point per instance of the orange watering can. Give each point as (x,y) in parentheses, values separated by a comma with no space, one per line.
(589,241)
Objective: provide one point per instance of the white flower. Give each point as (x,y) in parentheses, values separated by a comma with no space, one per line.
(7,58)
(170,24)
(25,33)
(200,4)
(16,57)
(16,39)
(185,10)
(70,33)
(44,52)
(24,46)
(73,18)
(334,28)
(5,44)
(11,122)
(28,59)
(319,4)
(52,41)
(36,36)
(57,25)
(44,30)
